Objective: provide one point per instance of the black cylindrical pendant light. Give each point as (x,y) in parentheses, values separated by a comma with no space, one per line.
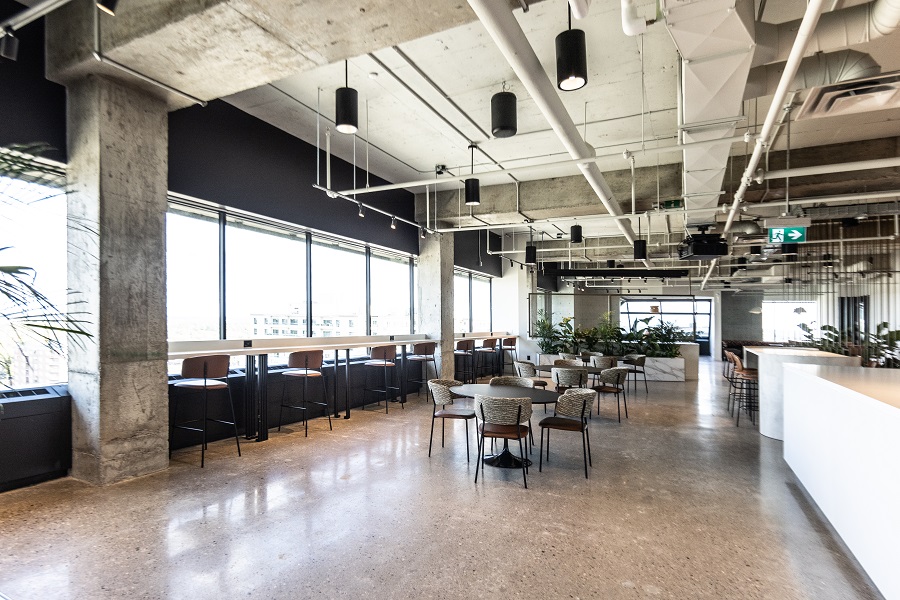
(789,248)
(575,234)
(346,115)
(503,114)
(571,59)
(755,250)
(530,255)
(108,6)
(640,249)
(473,193)
(610,264)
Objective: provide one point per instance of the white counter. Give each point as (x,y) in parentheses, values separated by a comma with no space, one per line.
(842,439)
(771,361)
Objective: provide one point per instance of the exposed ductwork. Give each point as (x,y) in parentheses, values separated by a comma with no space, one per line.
(507,34)
(632,24)
(836,30)
(580,8)
(816,70)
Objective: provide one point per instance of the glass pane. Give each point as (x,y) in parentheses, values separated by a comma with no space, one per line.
(417,306)
(390,295)
(33,222)
(265,282)
(338,291)
(192,275)
(481,304)
(781,320)
(461,303)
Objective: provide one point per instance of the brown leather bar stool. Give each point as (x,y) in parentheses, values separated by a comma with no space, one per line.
(423,354)
(383,358)
(486,357)
(306,365)
(465,354)
(202,374)
(508,349)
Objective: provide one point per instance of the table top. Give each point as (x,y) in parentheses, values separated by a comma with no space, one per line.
(180,350)
(590,370)
(506,391)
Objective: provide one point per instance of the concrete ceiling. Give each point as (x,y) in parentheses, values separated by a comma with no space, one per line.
(427,98)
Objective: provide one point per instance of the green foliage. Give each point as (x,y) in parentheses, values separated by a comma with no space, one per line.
(548,338)
(611,336)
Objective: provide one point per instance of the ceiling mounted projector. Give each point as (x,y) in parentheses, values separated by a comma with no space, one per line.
(702,246)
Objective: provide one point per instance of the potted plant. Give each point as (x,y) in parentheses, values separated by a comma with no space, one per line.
(544,331)
(610,336)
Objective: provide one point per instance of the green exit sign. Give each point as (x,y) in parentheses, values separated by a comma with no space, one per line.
(787,235)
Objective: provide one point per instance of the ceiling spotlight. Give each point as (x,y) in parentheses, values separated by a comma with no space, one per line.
(346,116)
(422,232)
(473,193)
(393,222)
(575,234)
(108,6)
(510,263)
(362,211)
(9,45)
(571,58)
(503,114)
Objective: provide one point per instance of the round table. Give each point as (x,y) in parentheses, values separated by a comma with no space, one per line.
(506,459)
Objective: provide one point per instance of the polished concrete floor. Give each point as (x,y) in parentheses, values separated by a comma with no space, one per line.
(680,504)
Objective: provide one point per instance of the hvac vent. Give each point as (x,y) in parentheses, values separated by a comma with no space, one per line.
(851,97)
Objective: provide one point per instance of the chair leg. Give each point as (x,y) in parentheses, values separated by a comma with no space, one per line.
(587,436)
(237,439)
(303,404)
(281,408)
(431,439)
(205,413)
(480,459)
(467,440)
(584,450)
(618,407)
(443,422)
(646,389)
(625,402)
(541,453)
(524,463)
(325,400)
(172,420)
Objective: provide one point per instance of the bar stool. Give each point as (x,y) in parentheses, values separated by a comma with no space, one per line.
(305,364)
(382,357)
(484,353)
(465,354)
(508,345)
(202,374)
(424,353)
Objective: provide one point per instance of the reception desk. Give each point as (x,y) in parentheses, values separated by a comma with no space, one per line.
(771,362)
(842,439)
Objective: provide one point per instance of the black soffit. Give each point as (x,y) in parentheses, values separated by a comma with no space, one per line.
(618,273)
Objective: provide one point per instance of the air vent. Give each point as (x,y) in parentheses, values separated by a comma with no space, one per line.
(852,97)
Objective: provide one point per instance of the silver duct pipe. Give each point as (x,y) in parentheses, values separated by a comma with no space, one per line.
(815,70)
(807,27)
(862,165)
(836,30)
(503,28)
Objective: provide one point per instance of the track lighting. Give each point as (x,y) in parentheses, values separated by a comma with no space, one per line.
(362,211)
(9,45)
(108,6)
(473,192)
(571,59)
(346,117)
(393,222)
(503,114)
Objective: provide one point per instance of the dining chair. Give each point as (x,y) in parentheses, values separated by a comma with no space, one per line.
(567,377)
(567,362)
(306,365)
(443,398)
(635,364)
(502,418)
(571,414)
(200,375)
(602,362)
(568,356)
(525,368)
(612,381)
(523,382)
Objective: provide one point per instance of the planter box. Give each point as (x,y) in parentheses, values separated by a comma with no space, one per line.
(664,369)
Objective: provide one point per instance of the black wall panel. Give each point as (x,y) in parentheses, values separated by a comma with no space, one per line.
(223,155)
(470,252)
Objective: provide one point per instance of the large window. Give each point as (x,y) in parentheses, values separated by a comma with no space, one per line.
(692,315)
(461,302)
(481,304)
(33,222)
(192,274)
(781,320)
(339,289)
(390,294)
(265,275)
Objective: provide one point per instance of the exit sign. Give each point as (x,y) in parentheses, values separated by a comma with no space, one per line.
(787,235)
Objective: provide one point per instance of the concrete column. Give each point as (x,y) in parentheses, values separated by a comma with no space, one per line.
(436,296)
(118,147)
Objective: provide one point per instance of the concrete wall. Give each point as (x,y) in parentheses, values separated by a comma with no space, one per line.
(738,323)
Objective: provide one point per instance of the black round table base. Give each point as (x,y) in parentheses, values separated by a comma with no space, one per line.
(506,460)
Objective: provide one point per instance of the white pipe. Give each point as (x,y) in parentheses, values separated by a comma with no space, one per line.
(632,24)
(561,163)
(863,165)
(503,28)
(807,26)
(580,8)
(31,14)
